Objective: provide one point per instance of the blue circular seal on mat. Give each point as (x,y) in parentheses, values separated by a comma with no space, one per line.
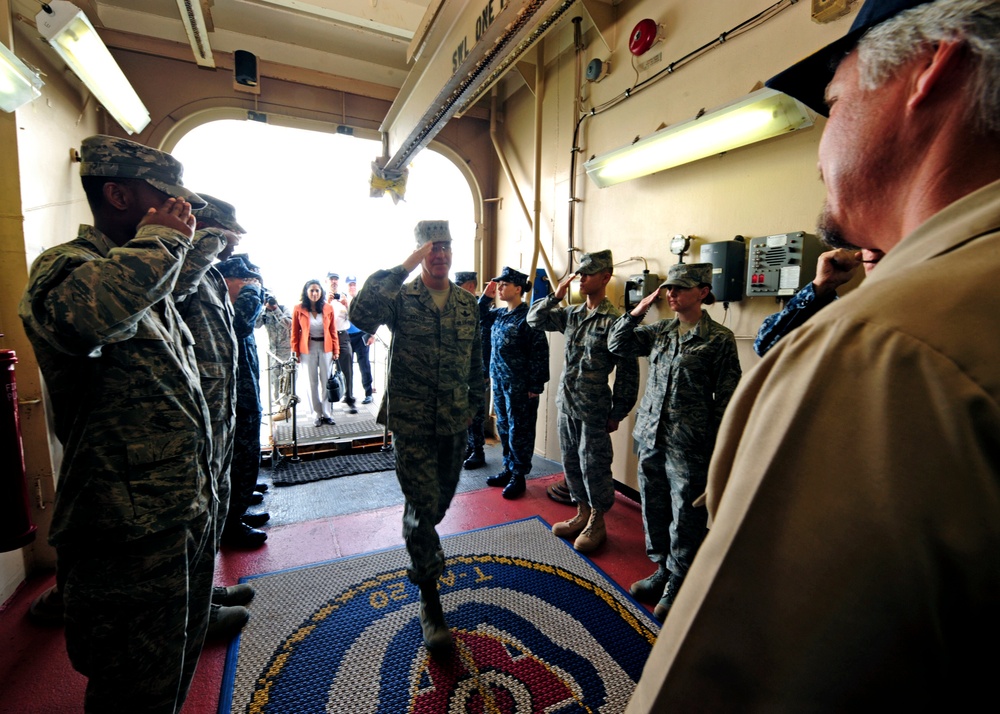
(529,637)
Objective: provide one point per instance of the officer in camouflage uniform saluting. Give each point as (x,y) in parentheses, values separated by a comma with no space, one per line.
(133,522)
(693,371)
(519,366)
(588,410)
(435,387)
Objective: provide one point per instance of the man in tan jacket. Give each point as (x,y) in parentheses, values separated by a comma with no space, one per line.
(854,560)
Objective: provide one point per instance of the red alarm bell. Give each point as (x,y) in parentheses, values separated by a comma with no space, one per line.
(644,34)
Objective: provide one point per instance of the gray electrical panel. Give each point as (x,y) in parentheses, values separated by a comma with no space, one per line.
(728,259)
(781,264)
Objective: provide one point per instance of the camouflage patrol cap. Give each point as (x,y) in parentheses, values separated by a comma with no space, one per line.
(598,262)
(688,275)
(221,212)
(112,157)
(515,277)
(236,268)
(466,276)
(432,232)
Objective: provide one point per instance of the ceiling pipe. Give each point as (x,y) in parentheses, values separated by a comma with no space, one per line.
(502,157)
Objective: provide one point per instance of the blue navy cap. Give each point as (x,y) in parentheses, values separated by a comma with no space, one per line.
(807,80)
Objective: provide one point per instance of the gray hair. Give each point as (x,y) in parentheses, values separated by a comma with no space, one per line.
(888,46)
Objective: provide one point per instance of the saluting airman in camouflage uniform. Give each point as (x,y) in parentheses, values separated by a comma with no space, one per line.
(588,410)
(435,386)
(693,371)
(132,525)
(203,301)
(519,366)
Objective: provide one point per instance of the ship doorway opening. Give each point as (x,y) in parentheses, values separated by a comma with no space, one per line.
(303,198)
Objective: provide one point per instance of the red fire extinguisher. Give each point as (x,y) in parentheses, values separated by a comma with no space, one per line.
(16,528)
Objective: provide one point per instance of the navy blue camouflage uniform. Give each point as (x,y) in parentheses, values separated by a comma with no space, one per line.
(803,305)
(246,448)
(519,364)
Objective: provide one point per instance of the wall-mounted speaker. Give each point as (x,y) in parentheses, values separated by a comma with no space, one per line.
(245,68)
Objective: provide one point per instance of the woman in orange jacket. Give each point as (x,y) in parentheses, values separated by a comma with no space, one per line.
(315,346)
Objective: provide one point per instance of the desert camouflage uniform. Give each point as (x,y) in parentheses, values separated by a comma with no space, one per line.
(135,498)
(203,301)
(246,448)
(278,324)
(435,386)
(586,402)
(519,363)
(691,379)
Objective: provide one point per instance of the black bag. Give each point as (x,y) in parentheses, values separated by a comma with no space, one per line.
(335,385)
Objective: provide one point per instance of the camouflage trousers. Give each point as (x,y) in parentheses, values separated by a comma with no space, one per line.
(136,613)
(516,417)
(477,435)
(246,463)
(428,468)
(587,456)
(222,457)
(669,482)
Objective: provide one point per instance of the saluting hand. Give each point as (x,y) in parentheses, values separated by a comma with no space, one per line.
(644,304)
(563,286)
(175,213)
(417,256)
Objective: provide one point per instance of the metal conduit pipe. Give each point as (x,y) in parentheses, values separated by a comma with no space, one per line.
(494,137)
(539,99)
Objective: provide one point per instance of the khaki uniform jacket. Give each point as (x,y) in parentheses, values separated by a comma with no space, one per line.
(854,561)
(435,360)
(120,369)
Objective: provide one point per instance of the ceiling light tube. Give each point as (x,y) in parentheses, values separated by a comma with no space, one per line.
(18,84)
(760,115)
(70,34)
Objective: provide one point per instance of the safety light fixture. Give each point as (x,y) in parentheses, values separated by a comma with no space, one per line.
(758,116)
(70,34)
(18,84)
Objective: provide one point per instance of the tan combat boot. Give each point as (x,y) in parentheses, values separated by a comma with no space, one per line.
(572,527)
(593,535)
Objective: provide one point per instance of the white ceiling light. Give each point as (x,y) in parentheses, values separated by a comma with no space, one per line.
(197,31)
(70,34)
(758,116)
(18,84)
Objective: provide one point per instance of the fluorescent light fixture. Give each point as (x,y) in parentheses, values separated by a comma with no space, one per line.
(197,31)
(758,116)
(70,34)
(18,84)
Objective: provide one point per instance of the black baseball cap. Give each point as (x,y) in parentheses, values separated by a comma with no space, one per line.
(807,80)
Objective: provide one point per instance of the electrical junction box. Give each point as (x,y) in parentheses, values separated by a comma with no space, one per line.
(639,286)
(829,10)
(728,259)
(781,264)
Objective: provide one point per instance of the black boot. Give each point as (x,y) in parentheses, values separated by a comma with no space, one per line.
(500,479)
(475,460)
(515,487)
(437,636)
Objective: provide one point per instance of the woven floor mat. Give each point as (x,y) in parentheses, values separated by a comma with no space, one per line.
(537,628)
(287,473)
